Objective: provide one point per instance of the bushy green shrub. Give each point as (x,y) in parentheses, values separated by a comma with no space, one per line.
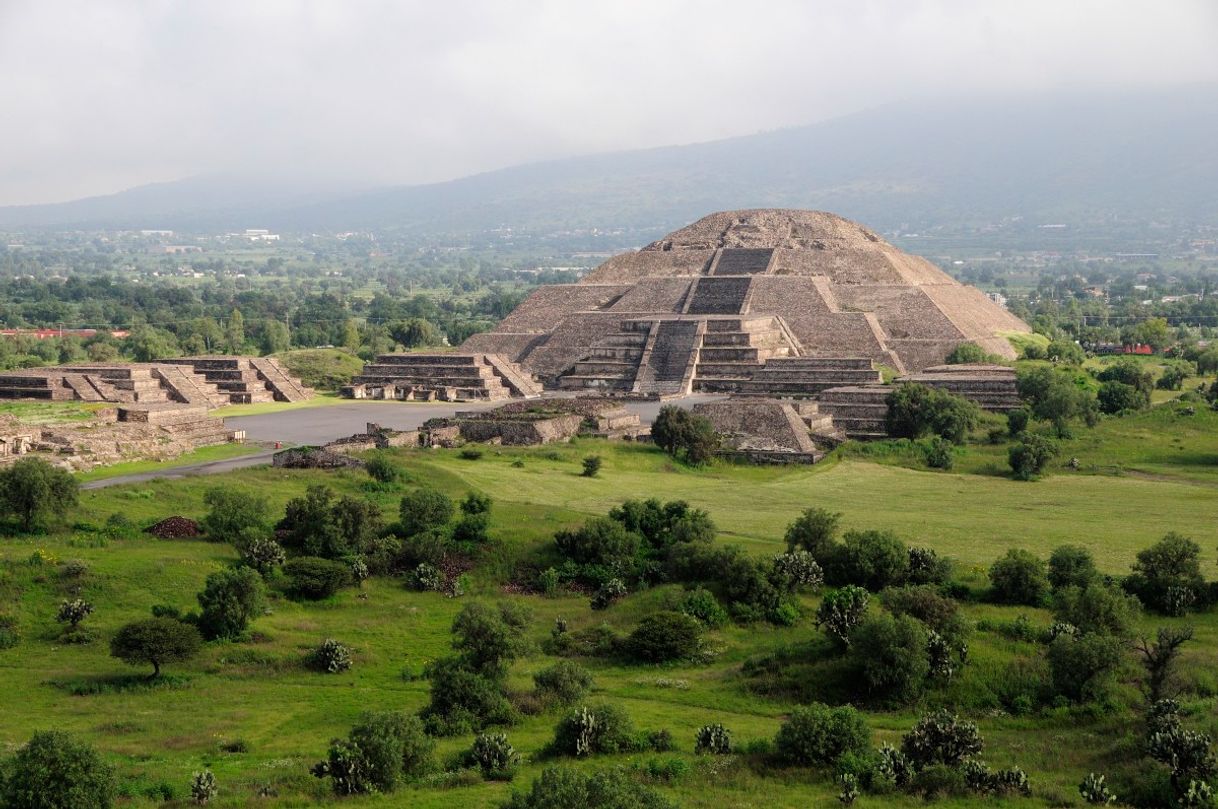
(685,436)
(600,541)
(665,636)
(424,510)
(463,700)
(1097,608)
(563,788)
(1117,397)
(930,606)
(593,730)
(591,466)
(476,503)
(472,529)
(916,410)
(714,739)
(10,631)
(381,469)
(941,738)
(701,604)
(663,525)
(815,531)
(1081,666)
(1029,457)
(319,524)
(73,611)
(314,578)
(890,653)
(488,638)
(817,735)
(797,570)
(927,567)
(841,611)
(1094,790)
(54,771)
(1019,577)
(35,491)
(870,559)
(1167,575)
(938,453)
(1071,566)
(235,516)
(382,750)
(230,599)
(563,683)
(1017,421)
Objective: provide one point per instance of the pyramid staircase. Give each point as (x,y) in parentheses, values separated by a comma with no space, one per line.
(445,377)
(235,380)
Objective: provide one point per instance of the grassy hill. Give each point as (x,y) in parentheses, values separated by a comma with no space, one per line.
(253,714)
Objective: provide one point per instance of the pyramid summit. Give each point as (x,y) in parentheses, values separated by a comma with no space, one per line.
(767,301)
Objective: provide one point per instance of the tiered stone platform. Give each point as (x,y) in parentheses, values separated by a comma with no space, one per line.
(245,380)
(144,383)
(805,377)
(992,387)
(767,430)
(444,377)
(858,411)
(526,423)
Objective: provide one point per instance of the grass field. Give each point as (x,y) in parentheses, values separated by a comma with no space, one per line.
(258,692)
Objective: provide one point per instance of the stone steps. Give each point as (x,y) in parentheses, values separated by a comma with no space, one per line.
(444,377)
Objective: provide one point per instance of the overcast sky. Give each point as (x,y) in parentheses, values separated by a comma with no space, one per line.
(103,95)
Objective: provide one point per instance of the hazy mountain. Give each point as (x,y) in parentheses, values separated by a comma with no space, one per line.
(1072,158)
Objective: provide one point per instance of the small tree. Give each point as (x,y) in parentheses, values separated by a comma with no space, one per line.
(819,736)
(264,555)
(563,788)
(383,749)
(815,530)
(34,491)
(230,600)
(424,510)
(237,517)
(156,641)
(941,738)
(685,436)
(870,559)
(592,466)
(664,636)
(1019,577)
(1030,455)
(841,611)
(1081,666)
(1159,658)
(73,612)
(565,682)
(891,655)
(1167,575)
(1097,608)
(488,639)
(1071,566)
(54,771)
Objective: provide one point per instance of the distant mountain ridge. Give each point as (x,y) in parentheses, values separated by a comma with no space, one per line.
(1144,155)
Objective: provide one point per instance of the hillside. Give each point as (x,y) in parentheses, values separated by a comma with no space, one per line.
(1065,158)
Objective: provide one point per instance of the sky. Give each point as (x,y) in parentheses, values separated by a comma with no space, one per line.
(105,95)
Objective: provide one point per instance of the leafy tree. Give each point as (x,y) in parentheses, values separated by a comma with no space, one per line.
(1129,372)
(916,410)
(841,611)
(819,736)
(149,343)
(1159,658)
(34,491)
(274,337)
(236,517)
(600,541)
(488,639)
(929,605)
(1030,455)
(1065,351)
(425,510)
(1117,397)
(664,524)
(815,530)
(1071,566)
(1057,397)
(156,641)
(870,559)
(1096,608)
(1167,575)
(1019,577)
(234,332)
(664,636)
(383,749)
(1081,666)
(414,332)
(54,771)
(318,524)
(1173,376)
(890,654)
(315,578)
(230,600)
(476,503)
(1017,421)
(463,700)
(685,436)
(563,788)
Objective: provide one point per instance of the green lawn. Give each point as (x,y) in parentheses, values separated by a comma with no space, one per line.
(216,452)
(258,692)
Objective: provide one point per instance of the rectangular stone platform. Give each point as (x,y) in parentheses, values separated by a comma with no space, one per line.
(441,376)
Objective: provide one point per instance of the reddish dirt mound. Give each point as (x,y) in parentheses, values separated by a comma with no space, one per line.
(175,528)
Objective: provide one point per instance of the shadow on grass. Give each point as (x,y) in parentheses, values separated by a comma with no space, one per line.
(120,684)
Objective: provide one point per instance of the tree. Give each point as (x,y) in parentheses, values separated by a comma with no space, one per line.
(414,332)
(54,771)
(916,410)
(274,337)
(1159,658)
(234,333)
(1097,607)
(870,559)
(664,636)
(1056,396)
(685,436)
(1167,575)
(1030,456)
(383,749)
(149,343)
(1081,666)
(599,541)
(819,736)
(1071,566)
(35,490)
(592,466)
(815,530)
(890,654)
(1019,578)
(319,525)
(236,517)
(564,788)
(969,354)
(488,639)
(424,510)
(1117,397)
(156,641)
(230,600)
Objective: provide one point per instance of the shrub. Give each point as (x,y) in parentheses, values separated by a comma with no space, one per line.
(714,739)
(665,636)
(1173,377)
(600,541)
(819,736)
(330,657)
(663,525)
(54,771)
(928,605)
(424,510)
(1097,608)
(562,788)
(1117,397)
(494,755)
(235,516)
(685,436)
(1056,396)
(1128,372)
(608,594)
(203,787)
(927,567)
(1030,455)
(564,683)
(382,749)
(701,604)
(815,531)
(73,612)
(381,469)
(1019,577)
(10,633)
(263,554)
(119,526)
(1066,351)
(1071,566)
(938,453)
(463,699)
(472,529)
(429,577)
(592,466)
(1017,421)
(870,559)
(230,599)
(313,578)
(841,611)
(797,570)
(155,641)
(34,491)
(890,654)
(476,503)
(916,410)
(968,354)
(318,524)
(1081,666)
(1167,575)
(488,639)
(595,730)
(940,738)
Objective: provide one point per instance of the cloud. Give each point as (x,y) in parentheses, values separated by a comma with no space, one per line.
(105,95)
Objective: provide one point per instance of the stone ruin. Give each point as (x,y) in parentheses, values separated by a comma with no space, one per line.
(762,430)
(763,302)
(530,423)
(208,381)
(375,437)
